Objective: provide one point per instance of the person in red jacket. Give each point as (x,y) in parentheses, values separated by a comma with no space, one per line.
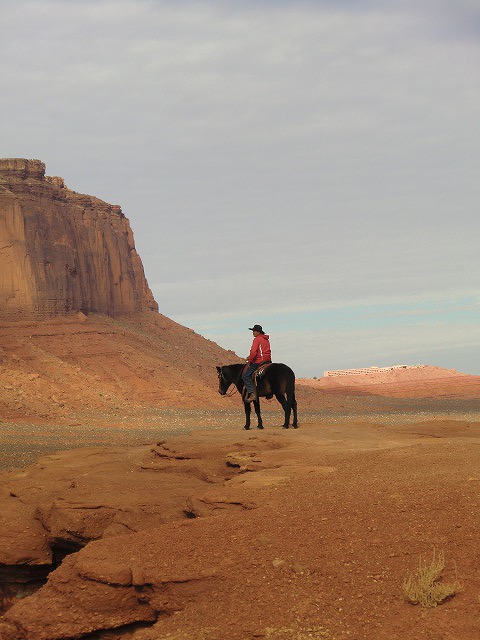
(260,352)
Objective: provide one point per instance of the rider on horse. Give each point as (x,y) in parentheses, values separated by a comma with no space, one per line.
(260,353)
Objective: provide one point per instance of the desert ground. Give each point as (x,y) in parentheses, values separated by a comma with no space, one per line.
(304,533)
(134,506)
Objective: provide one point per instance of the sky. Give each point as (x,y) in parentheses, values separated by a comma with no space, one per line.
(312,167)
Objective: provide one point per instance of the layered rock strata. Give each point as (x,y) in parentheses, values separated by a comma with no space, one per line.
(61,251)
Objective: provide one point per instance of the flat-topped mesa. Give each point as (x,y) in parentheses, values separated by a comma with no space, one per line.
(61,251)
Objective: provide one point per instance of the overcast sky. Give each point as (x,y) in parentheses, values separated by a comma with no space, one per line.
(309,166)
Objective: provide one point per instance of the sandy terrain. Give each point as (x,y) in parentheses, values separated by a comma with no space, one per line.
(340,512)
(219,532)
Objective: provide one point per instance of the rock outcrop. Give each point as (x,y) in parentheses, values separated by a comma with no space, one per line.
(72,498)
(299,535)
(61,251)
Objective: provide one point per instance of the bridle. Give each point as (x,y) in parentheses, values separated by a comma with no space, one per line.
(222,377)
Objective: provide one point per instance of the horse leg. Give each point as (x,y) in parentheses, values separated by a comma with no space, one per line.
(256,404)
(292,404)
(294,407)
(248,410)
(286,409)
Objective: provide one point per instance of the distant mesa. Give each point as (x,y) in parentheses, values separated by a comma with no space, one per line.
(371,370)
(402,380)
(63,252)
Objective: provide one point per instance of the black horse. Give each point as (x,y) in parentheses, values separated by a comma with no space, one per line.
(278,380)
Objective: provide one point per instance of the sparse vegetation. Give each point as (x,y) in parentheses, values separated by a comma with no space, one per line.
(425,587)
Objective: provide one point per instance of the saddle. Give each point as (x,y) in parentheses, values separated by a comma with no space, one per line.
(258,373)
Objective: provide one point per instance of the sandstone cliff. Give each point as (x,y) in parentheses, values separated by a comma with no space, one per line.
(61,251)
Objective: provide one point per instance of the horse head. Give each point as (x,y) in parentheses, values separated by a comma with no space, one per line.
(223,381)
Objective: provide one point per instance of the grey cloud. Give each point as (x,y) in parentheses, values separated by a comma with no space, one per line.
(328,150)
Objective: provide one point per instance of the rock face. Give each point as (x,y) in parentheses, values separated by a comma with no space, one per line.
(61,251)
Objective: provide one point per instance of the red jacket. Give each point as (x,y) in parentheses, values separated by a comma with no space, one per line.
(260,351)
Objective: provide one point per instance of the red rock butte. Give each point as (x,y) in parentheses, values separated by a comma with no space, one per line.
(61,251)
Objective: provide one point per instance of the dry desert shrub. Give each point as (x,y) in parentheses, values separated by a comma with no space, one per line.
(425,587)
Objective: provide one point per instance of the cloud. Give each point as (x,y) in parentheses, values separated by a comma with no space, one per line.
(273,158)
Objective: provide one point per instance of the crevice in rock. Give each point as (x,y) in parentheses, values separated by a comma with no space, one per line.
(20,581)
(62,548)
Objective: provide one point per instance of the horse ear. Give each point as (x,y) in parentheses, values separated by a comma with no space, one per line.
(219,369)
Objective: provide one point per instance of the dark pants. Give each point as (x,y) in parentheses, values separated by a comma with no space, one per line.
(247,377)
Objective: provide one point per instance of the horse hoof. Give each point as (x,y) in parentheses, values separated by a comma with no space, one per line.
(285,426)
(247,428)
(260,426)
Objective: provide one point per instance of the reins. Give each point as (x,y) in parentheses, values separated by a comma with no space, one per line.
(231,393)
